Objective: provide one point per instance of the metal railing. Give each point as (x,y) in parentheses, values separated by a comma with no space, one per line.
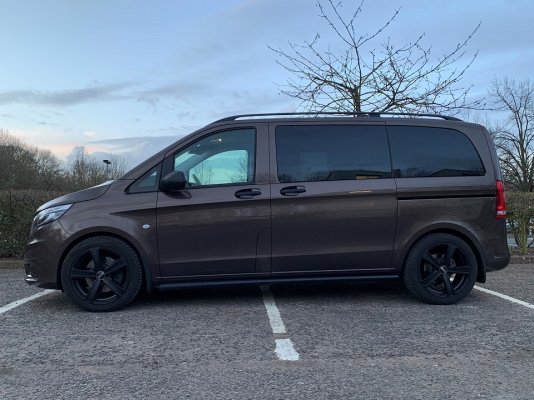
(341,113)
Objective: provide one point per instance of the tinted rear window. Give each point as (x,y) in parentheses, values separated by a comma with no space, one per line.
(425,151)
(331,152)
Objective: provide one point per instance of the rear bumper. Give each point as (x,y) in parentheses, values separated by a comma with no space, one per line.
(498,263)
(495,247)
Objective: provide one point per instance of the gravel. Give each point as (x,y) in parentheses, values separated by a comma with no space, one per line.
(357,340)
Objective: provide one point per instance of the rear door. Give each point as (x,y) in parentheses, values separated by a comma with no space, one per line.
(334,199)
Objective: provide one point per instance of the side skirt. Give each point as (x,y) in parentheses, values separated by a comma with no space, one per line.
(275,281)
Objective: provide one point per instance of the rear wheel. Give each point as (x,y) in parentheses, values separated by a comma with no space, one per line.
(101,273)
(440,269)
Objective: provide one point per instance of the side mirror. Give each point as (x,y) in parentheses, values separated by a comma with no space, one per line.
(173,181)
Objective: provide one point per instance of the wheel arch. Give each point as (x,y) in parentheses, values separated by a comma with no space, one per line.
(147,275)
(467,237)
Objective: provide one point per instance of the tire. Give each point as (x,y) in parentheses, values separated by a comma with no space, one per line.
(101,273)
(440,269)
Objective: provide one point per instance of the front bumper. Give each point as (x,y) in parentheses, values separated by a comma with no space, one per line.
(43,255)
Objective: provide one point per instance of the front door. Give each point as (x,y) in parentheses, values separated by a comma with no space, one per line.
(334,201)
(219,225)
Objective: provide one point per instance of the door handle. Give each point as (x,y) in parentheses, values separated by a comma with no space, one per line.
(292,190)
(247,193)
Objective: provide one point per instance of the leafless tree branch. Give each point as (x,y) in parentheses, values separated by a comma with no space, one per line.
(514,137)
(389,77)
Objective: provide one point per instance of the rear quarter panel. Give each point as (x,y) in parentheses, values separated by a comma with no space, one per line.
(463,204)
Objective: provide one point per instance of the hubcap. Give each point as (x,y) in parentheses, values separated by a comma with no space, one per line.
(444,270)
(99,276)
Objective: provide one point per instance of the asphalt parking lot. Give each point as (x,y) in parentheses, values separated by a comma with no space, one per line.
(357,341)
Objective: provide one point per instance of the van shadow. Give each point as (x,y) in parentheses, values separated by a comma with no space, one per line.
(369,292)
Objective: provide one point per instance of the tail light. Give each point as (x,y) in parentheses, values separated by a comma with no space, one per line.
(501,201)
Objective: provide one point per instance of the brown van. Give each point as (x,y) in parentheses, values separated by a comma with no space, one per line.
(275,198)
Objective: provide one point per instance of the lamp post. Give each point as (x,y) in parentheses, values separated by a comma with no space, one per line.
(107,162)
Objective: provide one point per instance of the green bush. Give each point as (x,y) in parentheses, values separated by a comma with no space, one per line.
(17,208)
(520,207)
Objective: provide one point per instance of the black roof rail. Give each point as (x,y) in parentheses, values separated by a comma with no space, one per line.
(351,114)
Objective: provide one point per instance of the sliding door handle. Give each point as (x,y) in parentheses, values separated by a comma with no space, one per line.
(292,190)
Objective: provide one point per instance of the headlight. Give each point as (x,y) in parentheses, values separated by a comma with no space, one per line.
(49,215)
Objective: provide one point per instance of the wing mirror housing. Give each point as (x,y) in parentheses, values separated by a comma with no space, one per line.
(173,181)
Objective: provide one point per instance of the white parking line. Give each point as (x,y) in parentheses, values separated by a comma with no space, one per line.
(20,302)
(284,347)
(506,297)
(272,311)
(285,350)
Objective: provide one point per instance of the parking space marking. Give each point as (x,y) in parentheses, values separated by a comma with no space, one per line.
(20,302)
(285,350)
(284,347)
(272,311)
(506,297)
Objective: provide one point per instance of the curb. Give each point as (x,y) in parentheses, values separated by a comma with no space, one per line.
(11,264)
(522,259)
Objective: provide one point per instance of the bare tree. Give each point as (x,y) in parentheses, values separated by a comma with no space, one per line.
(202,173)
(514,137)
(27,167)
(84,171)
(361,77)
(117,166)
(12,157)
(241,173)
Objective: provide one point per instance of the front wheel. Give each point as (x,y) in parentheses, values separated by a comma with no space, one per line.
(440,269)
(101,273)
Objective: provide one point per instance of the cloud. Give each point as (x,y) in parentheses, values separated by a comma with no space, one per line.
(205,99)
(61,149)
(124,144)
(90,134)
(104,93)
(176,90)
(65,97)
(177,131)
(134,150)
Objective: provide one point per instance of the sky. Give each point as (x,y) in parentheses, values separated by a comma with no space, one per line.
(132,76)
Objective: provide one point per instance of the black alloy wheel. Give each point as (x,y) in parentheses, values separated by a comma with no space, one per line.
(101,274)
(440,269)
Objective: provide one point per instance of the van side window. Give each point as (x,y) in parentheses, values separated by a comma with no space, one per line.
(224,158)
(430,152)
(149,182)
(307,153)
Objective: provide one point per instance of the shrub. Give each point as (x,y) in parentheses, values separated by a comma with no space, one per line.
(17,208)
(520,207)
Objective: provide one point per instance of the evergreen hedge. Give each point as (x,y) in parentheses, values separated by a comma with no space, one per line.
(17,208)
